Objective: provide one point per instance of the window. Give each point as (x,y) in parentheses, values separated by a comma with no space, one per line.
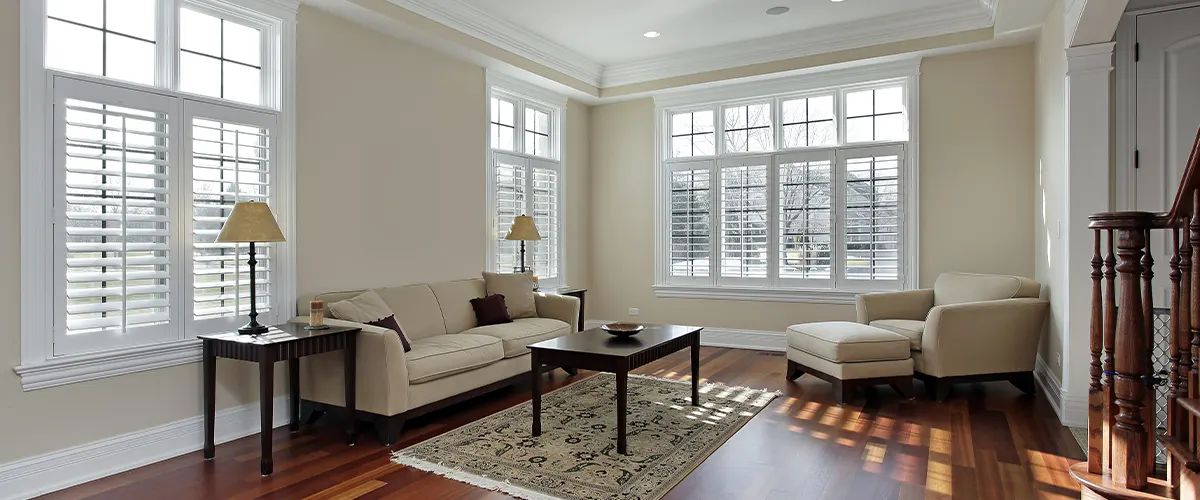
(152,138)
(525,178)
(806,196)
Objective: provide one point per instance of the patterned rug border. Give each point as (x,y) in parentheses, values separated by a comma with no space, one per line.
(510,489)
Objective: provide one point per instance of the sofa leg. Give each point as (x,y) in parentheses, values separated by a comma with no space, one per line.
(571,371)
(1024,381)
(389,429)
(904,388)
(310,413)
(793,370)
(843,392)
(938,389)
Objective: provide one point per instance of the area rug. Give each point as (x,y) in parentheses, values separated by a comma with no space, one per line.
(576,456)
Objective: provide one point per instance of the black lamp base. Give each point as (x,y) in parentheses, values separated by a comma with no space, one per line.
(253,328)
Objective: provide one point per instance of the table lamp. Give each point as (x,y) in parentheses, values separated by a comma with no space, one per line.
(251,222)
(523,229)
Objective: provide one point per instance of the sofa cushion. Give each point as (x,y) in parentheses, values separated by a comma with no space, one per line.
(368,308)
(454,300)
(517,289)
(906,327)
(522,332)
(444,355)
(846,342)
(956,288)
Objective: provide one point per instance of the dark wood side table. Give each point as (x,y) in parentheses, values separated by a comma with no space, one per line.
(595,349)
(287,342)
(579,293)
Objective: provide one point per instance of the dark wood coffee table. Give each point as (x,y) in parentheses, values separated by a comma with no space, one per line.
(597,350)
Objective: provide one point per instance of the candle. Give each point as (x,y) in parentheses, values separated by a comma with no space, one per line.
(316,313)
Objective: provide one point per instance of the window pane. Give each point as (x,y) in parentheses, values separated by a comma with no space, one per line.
(131,17)
(242,44)
(860,129)
(795,111)
(242,83)
(510,202)
(545,256)
(890,128)
(759,115)
(748,128)
(702,121)
(690,211)
(859,103)
(130,59)
(822,133)
(889,100)
(704,145)
(760,139)
(543,146)
(744,221)
(89,12)
(795,136)
(692,134)
(735,118)
(804,220)
(507,139)
(199,74)
(199,32)
(507,114)
(681,146)
(543,123)
(530,143)
(872,218)
(681,124)
(74,48)
(820,108)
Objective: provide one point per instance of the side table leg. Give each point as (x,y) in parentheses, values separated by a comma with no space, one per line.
(696,369)
(266,396)
(351,386)
(294,387)
(210,400)
(536,382)
(622,397)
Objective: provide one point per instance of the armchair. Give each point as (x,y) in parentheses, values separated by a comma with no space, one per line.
(967,328)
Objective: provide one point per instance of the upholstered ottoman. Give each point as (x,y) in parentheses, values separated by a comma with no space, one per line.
(850,355)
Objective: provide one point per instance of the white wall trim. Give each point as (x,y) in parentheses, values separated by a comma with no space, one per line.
(756,294)
(758,340)
(71,369)
(33,476)
(1071,412)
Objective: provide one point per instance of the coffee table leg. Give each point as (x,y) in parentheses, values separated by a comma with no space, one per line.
(294,396)
(266,388)
(536,372)
(210,399)
(350,364)
(622,396)
(696,369)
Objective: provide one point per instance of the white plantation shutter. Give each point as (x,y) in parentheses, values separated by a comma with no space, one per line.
(229,151)
(690,245)
(744,220)
(545,211)
(112,149)
(805,224)
(511,200)
(871,229)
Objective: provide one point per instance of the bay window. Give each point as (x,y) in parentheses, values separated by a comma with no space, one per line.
(808,195)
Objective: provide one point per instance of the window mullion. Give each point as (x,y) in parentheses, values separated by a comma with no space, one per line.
(714,222)
(773,221)
(166,44)
(836,254)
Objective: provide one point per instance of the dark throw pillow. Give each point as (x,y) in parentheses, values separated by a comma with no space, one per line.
(390,323)
(490,310)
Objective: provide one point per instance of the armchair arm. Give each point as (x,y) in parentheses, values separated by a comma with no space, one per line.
(560,307)
(382,372)
(910,304)
(973,338)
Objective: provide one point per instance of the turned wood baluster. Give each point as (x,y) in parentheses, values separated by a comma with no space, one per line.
(1096,342)
(1174,417)
(1148,404)
(1193,318)
(1110,335)
(1182,329)
(1129,433)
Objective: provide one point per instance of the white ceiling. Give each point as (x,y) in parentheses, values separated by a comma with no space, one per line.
(610,31)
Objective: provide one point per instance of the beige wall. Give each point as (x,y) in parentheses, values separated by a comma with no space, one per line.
(1050,162)
(391,190)
(976,193)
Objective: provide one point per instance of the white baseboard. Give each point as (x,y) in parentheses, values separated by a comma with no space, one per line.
(1072,412)
(33,476)
(759,340)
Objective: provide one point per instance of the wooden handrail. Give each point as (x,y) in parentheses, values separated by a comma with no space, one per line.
(1182,207)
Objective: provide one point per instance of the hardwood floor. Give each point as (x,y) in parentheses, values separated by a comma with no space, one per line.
(987,441)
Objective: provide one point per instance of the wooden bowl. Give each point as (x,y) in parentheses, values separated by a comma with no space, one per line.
(622,329)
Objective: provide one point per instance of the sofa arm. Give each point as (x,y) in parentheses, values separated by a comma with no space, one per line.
(974,338)
(381,383)
(910,304)
(561,307)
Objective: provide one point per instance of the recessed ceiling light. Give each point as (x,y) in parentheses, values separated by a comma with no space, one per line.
(775,11)
(836,1)
(651,34)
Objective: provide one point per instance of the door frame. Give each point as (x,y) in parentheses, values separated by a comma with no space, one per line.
(1125,105)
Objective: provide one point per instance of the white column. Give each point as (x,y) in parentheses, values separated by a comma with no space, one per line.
(1088,178)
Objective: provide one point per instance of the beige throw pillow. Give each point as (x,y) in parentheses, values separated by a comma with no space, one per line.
(517,290)
(364,307)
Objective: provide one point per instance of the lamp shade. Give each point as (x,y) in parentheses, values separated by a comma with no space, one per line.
(523,229)
(251,221)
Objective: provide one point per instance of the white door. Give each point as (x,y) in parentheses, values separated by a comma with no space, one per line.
(1168,116)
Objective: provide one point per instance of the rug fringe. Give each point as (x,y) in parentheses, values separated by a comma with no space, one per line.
(471,479)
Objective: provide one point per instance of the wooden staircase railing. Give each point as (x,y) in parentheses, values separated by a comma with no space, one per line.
(1121,413)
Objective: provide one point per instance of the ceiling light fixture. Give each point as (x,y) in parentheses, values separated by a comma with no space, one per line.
(836,1)
(775,11)
(651,34)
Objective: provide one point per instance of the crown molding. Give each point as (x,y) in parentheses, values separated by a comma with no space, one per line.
(490,28)
(965,16)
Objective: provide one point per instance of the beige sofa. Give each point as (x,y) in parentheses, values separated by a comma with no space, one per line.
(452,358)
(967,328)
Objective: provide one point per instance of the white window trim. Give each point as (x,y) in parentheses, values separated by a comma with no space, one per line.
(776,90)
(39,367)
(545,100)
